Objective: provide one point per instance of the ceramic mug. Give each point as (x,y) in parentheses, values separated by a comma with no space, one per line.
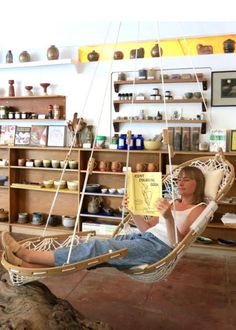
(151,167)
(141,167)
(104,165)
(116,166)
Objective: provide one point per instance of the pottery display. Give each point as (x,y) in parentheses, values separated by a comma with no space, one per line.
(11,88)
(24,56)
(29,90)
(3,215)
(23,217)
(37,218)
(141,167)
(104,165)
(116,166)
(72,185)
(54,220)
(93,56)
(45,86)
(204,49)
(52,53)
(68,221)
(9,57)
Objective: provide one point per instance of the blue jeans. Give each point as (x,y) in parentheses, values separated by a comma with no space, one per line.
(144,248)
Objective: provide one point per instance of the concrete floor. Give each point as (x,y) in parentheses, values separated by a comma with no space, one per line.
(199,294)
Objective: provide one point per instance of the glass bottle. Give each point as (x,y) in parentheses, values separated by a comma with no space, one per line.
(89,136)
(9,57)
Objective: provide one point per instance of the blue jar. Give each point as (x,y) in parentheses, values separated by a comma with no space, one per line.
(122,145)
(139,142)
(132,142)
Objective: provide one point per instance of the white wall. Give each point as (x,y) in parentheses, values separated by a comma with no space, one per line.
(84,89)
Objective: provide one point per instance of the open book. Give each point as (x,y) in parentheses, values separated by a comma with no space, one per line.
(144,188)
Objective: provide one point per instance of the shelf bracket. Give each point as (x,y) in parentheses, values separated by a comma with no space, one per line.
(116,87)
(116,107)
(116,126)
(204,85)
(204,104)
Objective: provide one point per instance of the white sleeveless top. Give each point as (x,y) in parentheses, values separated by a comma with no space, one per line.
(160,231)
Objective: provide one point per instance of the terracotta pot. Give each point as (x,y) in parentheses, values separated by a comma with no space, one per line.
(118,55)
(156,52)
(229,46)
(24,56)
(93,56)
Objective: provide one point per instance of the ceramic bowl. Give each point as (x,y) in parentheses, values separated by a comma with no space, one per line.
(46,163)
(121,191)
(38,163)
(188,95)
(68,221)
(55,163)
(72,185)
(112,190)
(73,164)
(48,183)
(152,145)
(104,190)
(197,95)
(93,187)
(62,164)
(61,184)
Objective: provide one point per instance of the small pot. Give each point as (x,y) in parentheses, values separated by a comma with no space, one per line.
(118,55)
(68,221)
(93,56)
(24,56)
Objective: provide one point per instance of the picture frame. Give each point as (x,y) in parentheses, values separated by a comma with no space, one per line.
(223,91)
(233,140)
(22,136)
(38,135)
(56,136)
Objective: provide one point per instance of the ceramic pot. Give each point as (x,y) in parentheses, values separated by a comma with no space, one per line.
(229,46)
(94,205)
(137,53)
(118,55)
(52,53)
(156,52)
(24,56)
(37,218)
(93,56)
(54,220)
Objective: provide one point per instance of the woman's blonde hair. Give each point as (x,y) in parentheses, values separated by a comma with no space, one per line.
(196,174)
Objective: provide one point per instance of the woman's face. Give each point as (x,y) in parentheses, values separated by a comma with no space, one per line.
(186,185)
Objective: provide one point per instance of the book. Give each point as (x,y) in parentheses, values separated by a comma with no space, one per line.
(22,135)
(7,134)
(185,139)
(194,138)
(144,188)
(56,136)
(38,135)
(177,138)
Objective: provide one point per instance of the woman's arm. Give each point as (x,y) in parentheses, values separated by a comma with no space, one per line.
(185,225)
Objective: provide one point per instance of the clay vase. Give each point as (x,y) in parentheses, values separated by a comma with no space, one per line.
(118,55)
(94,205)
(155,52)
(116,166)
(93,56)
(151,167)
(24,56)
(52,53)
(104,165)
(229,46)
(141,167)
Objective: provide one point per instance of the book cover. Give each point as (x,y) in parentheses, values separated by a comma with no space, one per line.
(194,138)
(38,135)
(177,138)
(7,134)
(144,188)
(56,136)
(22,135)
(185,139)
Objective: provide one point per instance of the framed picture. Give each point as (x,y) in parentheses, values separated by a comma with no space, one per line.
(38,135)
(223,91)
(56,136)
(7,134)
(233,140)
(22,136)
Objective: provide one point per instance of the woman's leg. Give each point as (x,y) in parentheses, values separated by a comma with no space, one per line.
(44,258)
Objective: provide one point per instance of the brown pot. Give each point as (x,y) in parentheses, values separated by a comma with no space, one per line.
(93,56)
(155,52)
(52,53)
(3,215)
(229,46)
(24,56)
(118,55)
(137,53)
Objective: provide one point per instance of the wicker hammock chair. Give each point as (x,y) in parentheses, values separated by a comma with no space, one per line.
(144,273)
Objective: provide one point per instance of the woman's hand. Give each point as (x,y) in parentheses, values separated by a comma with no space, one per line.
(125,201)
(164,207)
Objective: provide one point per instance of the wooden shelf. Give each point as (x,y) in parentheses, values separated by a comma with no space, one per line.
(38,63)
(104,195)
(118,83)
(117,103)
(116,122)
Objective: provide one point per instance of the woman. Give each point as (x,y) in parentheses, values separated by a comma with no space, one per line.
(155,241)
